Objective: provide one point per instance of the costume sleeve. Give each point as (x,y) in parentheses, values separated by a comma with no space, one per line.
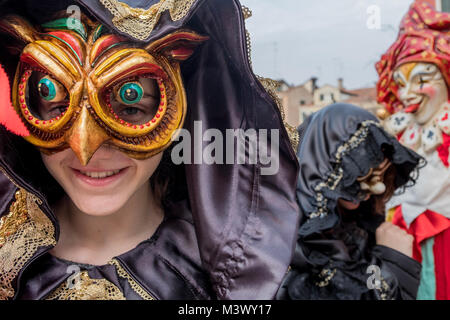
(405,269)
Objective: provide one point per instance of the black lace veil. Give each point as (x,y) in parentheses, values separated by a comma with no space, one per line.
(339,144)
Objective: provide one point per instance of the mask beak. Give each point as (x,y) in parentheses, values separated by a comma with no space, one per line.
(86,137)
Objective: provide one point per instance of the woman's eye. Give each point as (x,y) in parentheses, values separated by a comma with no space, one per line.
(46,97)
(51,90)
(130,93)
(130,111)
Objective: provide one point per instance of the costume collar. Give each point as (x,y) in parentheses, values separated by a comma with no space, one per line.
(422,139)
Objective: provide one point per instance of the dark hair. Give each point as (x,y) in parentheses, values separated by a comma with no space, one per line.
(168,182)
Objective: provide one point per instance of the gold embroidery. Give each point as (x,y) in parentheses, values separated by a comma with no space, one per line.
(22,232)
(139,23)
(249,48)
(10,223)
(134,285)
(8,176)
(246,12)
(326,275)
(87,289)
(271,87)
(384,290)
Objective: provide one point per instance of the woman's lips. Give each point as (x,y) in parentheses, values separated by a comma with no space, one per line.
(102,179)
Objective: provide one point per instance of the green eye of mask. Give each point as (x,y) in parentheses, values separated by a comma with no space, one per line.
(131,93)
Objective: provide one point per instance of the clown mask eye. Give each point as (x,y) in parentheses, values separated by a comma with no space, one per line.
(51,90)
(136,102)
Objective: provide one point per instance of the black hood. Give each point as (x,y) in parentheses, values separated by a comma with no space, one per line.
(339,144)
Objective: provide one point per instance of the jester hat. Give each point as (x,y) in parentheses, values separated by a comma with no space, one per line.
(424,37)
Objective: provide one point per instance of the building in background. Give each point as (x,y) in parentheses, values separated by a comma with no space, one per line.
(301,101)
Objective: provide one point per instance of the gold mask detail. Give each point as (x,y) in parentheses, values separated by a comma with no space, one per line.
(78,86)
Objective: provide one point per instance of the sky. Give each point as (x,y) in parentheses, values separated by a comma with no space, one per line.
(297,39)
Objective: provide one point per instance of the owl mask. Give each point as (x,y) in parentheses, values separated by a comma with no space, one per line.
(79,86)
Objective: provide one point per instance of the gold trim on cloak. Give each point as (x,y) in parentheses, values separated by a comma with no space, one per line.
(87,289)
(139,23)
(270,86)
(23,231)
(133,284)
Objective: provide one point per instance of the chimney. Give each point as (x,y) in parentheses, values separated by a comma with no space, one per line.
(314,84)
(341,84)
(311,85)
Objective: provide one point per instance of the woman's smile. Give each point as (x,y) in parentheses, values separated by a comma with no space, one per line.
(100,174)
(99,178)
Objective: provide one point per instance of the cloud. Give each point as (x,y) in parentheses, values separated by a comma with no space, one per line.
(296,39)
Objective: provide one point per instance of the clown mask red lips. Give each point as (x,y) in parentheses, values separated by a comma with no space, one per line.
(412,108)
(421,89)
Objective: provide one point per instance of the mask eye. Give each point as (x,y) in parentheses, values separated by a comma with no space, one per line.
(130,93)
(135,101)
(46,98)
(51,90)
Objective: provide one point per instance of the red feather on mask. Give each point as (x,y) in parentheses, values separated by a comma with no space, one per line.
(8,116)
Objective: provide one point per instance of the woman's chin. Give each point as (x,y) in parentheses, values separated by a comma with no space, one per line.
(99,206)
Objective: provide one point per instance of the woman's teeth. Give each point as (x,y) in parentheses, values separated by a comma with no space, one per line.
(100,175)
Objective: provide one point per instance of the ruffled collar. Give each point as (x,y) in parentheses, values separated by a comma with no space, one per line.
(423,139)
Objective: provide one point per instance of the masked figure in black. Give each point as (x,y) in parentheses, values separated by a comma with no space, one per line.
(349,168)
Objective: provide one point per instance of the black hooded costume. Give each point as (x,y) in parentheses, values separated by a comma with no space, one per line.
(335,259)
(232,233)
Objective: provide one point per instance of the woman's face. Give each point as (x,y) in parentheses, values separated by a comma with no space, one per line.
(106,184)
